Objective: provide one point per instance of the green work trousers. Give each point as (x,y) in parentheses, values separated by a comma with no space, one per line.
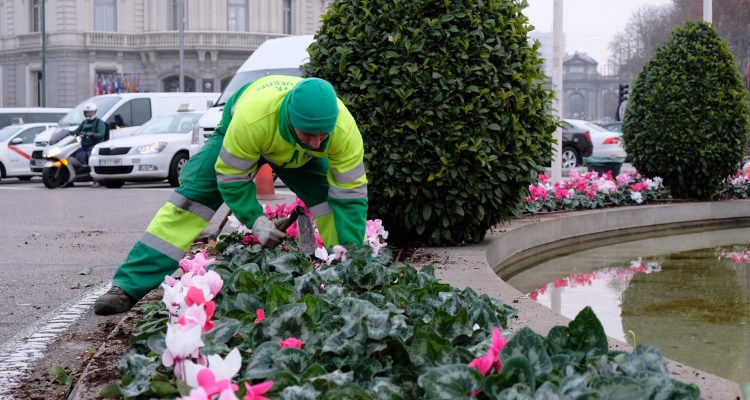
(186,214)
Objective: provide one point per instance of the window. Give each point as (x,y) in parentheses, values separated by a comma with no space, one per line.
(287,10)
(105,15)
(35,24)
(29,134)
(135,112)
(172,84)
(176,14)
(237,15)
(141,111)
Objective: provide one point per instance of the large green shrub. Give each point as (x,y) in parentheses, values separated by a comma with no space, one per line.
(687,120)
(450,100)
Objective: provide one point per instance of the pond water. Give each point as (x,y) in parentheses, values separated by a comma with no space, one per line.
(687,294)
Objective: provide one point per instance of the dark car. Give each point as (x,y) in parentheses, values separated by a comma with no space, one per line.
(576,145)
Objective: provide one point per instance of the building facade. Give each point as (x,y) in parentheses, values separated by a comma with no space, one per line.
(588,94)
(104,46)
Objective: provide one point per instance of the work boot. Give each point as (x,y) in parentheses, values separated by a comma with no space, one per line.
(115,301)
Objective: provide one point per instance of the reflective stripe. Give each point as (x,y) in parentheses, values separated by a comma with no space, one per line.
(162,246)
(342,193)
(233,178)
(320,209)
(234,161)
(196,208)
(351,175)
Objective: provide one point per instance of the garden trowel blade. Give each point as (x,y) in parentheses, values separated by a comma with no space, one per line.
(306,235)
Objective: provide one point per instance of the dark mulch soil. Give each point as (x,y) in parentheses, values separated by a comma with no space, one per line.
(89,352)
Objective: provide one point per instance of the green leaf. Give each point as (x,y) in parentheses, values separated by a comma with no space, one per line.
(261,365)
(163,389)
(306,392)
(223,331)
(111,390)
(529,345)
(515,370)
(287,321)
(588,333)
(58,372)
(428,348)
(451,382)
(292,360)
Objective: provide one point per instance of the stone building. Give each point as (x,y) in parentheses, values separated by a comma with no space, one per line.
(102,46)
(588,94)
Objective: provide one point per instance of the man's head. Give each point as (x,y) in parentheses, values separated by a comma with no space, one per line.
(313,111)
(89,111)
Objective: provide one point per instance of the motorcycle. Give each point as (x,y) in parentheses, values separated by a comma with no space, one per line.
(66,161)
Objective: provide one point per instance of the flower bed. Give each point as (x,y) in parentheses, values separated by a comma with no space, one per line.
(259,323)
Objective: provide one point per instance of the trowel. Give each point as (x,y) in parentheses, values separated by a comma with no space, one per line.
(305,230)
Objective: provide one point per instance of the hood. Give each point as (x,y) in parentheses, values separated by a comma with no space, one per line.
(144,139)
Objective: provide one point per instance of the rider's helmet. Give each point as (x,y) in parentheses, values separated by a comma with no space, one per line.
(89,111)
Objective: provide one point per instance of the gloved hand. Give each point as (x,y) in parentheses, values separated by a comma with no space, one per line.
(267,232)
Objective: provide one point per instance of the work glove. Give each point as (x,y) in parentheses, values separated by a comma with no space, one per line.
(268,234)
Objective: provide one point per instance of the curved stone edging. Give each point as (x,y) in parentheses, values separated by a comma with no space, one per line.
(474,266)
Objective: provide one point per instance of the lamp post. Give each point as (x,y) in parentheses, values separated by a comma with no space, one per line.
(43,91)
(707,11)
(557,83)
(181,24)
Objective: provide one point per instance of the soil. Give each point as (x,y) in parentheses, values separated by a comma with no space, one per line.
(89,353)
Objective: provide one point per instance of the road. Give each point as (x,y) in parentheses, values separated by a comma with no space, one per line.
(48,237)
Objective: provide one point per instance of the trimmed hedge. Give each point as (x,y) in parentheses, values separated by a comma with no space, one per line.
(687,120)
(451,102)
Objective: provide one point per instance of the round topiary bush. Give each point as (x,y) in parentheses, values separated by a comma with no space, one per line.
(451,103)
(687,118)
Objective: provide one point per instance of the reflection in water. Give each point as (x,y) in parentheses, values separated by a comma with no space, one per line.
(692,304)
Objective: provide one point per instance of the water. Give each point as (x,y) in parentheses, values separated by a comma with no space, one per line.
(687,294)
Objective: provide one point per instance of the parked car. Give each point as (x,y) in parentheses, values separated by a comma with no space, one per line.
(155,151)
(606,143)
(123,112)
(16,142)
(28,115)
(614,127)
(576,145)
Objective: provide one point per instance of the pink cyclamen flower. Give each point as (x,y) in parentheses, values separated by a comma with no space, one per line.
(195,394)
(250,240)
(256,392)
(259,315)
(291,342)
(197,264)
(492,358)
(544,179)
(207,380)
(182,342)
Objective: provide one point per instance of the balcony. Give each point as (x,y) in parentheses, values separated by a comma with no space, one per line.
(170,40)
(148,41)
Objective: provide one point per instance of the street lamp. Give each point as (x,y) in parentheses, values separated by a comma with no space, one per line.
(181,23)
(43,94)
(557,83)
(707,11)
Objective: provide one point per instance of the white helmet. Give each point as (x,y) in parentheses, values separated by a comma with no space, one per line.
(89,110)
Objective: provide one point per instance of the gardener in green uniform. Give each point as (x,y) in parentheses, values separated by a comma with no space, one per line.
(310,140)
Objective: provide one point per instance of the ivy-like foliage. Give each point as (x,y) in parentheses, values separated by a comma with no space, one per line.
(687,120)
(450,99)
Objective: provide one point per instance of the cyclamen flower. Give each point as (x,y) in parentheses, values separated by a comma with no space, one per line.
(250,240)
(197,264)
(217,377)
(637,197)
(322,254)
(492,358)
(199,315)
(182,342)
(375,228)
(256,392)
(259,315)
(195,394)
(291,342)
(174,298)
(339,252)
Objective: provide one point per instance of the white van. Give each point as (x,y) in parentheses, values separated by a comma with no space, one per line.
(122,112)
(16,142)
(281,56)
(10,116)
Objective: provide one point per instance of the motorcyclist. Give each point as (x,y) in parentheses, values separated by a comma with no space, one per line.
(91,129)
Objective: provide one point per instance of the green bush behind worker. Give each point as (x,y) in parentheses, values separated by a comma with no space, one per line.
(312,143)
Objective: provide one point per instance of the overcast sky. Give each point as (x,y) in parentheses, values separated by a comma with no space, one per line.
(589,25)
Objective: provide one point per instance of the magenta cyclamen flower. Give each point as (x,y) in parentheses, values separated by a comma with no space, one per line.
(291,342)
(259,315)
(197,264)
(256,392)
(492,358)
